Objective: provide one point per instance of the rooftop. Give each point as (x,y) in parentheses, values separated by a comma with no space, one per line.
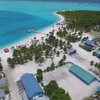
(71,51)
(82,74)
(89,42)
(31,85)
(2,94)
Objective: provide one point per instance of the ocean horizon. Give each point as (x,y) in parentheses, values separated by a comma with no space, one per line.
(90,1)
(17,17)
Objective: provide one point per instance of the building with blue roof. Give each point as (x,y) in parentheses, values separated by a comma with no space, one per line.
(82,74)
(31,86)
(88,43)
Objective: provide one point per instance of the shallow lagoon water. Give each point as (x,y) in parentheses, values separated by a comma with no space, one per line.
(18,17)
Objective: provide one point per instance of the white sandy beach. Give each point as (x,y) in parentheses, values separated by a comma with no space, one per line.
(76,88)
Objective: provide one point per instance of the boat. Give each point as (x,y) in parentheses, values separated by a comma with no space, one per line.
(32,30)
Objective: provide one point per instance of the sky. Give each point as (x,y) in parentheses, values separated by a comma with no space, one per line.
(56,0)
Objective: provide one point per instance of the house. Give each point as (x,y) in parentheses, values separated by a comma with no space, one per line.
(3,82)
(31,86)
(21,90)
(88,44)
(2,94)
(20,85)
(71,51)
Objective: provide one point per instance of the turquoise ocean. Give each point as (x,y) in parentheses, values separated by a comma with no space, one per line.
(18,17)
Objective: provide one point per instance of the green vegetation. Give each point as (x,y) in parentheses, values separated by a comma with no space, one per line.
(92,63)
(24,54)
(61,62)
(39,75)
(95,65)
(1,67)
(39,51)
(6,89)
(98,93)
(68,36)
(97,55)
(88,48)
(84,39)
(89,98)
(50,68)
(55,93)
(82,20)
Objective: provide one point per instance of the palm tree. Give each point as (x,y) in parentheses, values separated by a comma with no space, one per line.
(92,63)
(54,51)
(41,59)
(1,67)
(52,66)
(65,49)
(99,67)
(10,62)
(61,44)
(34,38)
(47,35)
(58,53)
(61,62)
(16,53)
(64,57)
(47,53)
(96,65)
(94,54)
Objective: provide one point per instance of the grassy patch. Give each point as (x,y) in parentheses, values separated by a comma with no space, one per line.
(6,89)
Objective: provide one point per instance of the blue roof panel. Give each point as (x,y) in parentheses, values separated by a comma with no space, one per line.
(82,74)
(89,42)
(31,85)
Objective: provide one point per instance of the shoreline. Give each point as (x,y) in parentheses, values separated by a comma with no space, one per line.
(42,33)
